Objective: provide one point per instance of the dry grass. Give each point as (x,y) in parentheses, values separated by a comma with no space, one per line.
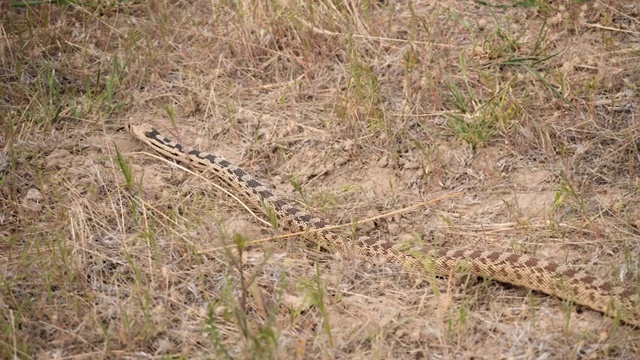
(364,107)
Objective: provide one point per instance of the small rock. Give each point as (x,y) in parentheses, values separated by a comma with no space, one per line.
(383,162)
(34,195)
(394,229)
(32,201)
(221,311)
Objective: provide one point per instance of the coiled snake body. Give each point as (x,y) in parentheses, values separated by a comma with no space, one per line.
(521,270)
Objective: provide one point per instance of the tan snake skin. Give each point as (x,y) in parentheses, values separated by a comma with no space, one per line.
(557,280)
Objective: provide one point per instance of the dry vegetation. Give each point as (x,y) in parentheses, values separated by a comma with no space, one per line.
(525,114)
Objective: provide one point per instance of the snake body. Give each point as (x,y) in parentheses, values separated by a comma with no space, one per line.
(620,302)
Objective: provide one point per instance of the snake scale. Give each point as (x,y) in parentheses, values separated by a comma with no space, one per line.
(618,301)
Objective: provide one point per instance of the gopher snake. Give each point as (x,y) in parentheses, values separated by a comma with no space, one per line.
(521,270)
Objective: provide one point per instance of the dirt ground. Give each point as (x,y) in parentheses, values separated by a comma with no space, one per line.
(489,125)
